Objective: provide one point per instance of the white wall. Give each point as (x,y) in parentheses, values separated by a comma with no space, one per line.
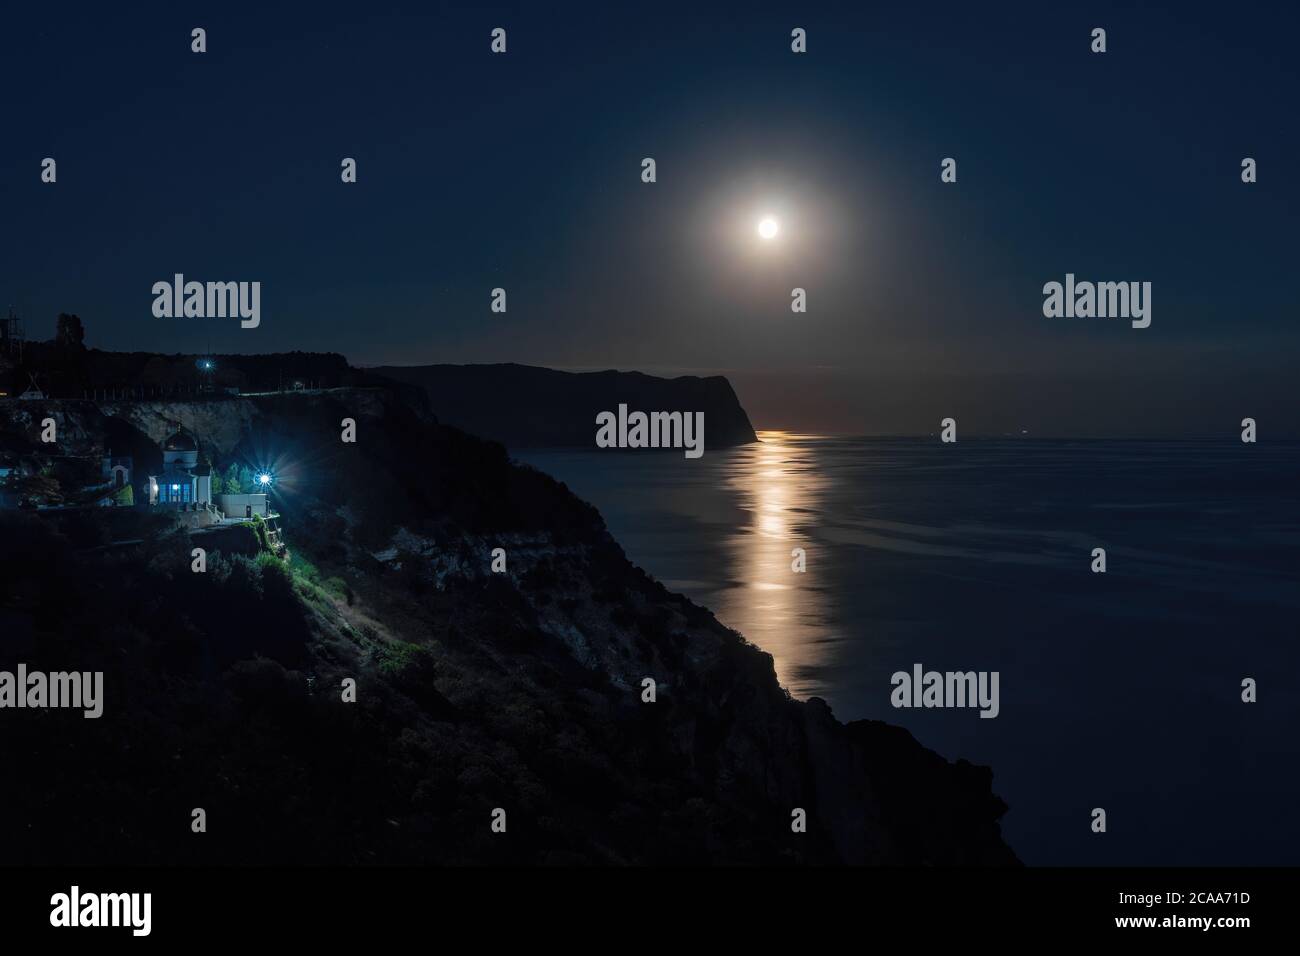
(234,505)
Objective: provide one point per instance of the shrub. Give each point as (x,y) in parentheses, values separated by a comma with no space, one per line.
(274,570)
(258,527)
(339,588)
(401,657)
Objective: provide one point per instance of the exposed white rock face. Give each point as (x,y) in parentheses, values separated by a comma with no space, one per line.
(220,423)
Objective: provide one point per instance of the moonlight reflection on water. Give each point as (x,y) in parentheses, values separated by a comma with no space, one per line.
(772,604)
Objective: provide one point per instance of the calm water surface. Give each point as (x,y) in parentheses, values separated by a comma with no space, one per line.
(1118,690)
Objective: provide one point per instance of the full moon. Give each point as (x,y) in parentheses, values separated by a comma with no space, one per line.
(767,228)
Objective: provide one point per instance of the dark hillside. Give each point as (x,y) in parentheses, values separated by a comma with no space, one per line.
(519,690)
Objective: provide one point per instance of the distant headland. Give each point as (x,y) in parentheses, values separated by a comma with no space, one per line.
(561,408)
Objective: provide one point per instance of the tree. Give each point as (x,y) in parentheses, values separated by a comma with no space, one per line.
(245,480)
(39,489)
(70,334)
(231,483)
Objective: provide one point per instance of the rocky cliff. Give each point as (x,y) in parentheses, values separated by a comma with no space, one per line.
(523,689)
(522,406)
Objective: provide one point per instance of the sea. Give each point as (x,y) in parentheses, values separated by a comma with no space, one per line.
(1119,690)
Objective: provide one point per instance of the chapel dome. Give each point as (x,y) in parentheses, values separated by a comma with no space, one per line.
(180,442)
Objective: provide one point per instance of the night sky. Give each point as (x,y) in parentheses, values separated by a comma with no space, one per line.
(523,171)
